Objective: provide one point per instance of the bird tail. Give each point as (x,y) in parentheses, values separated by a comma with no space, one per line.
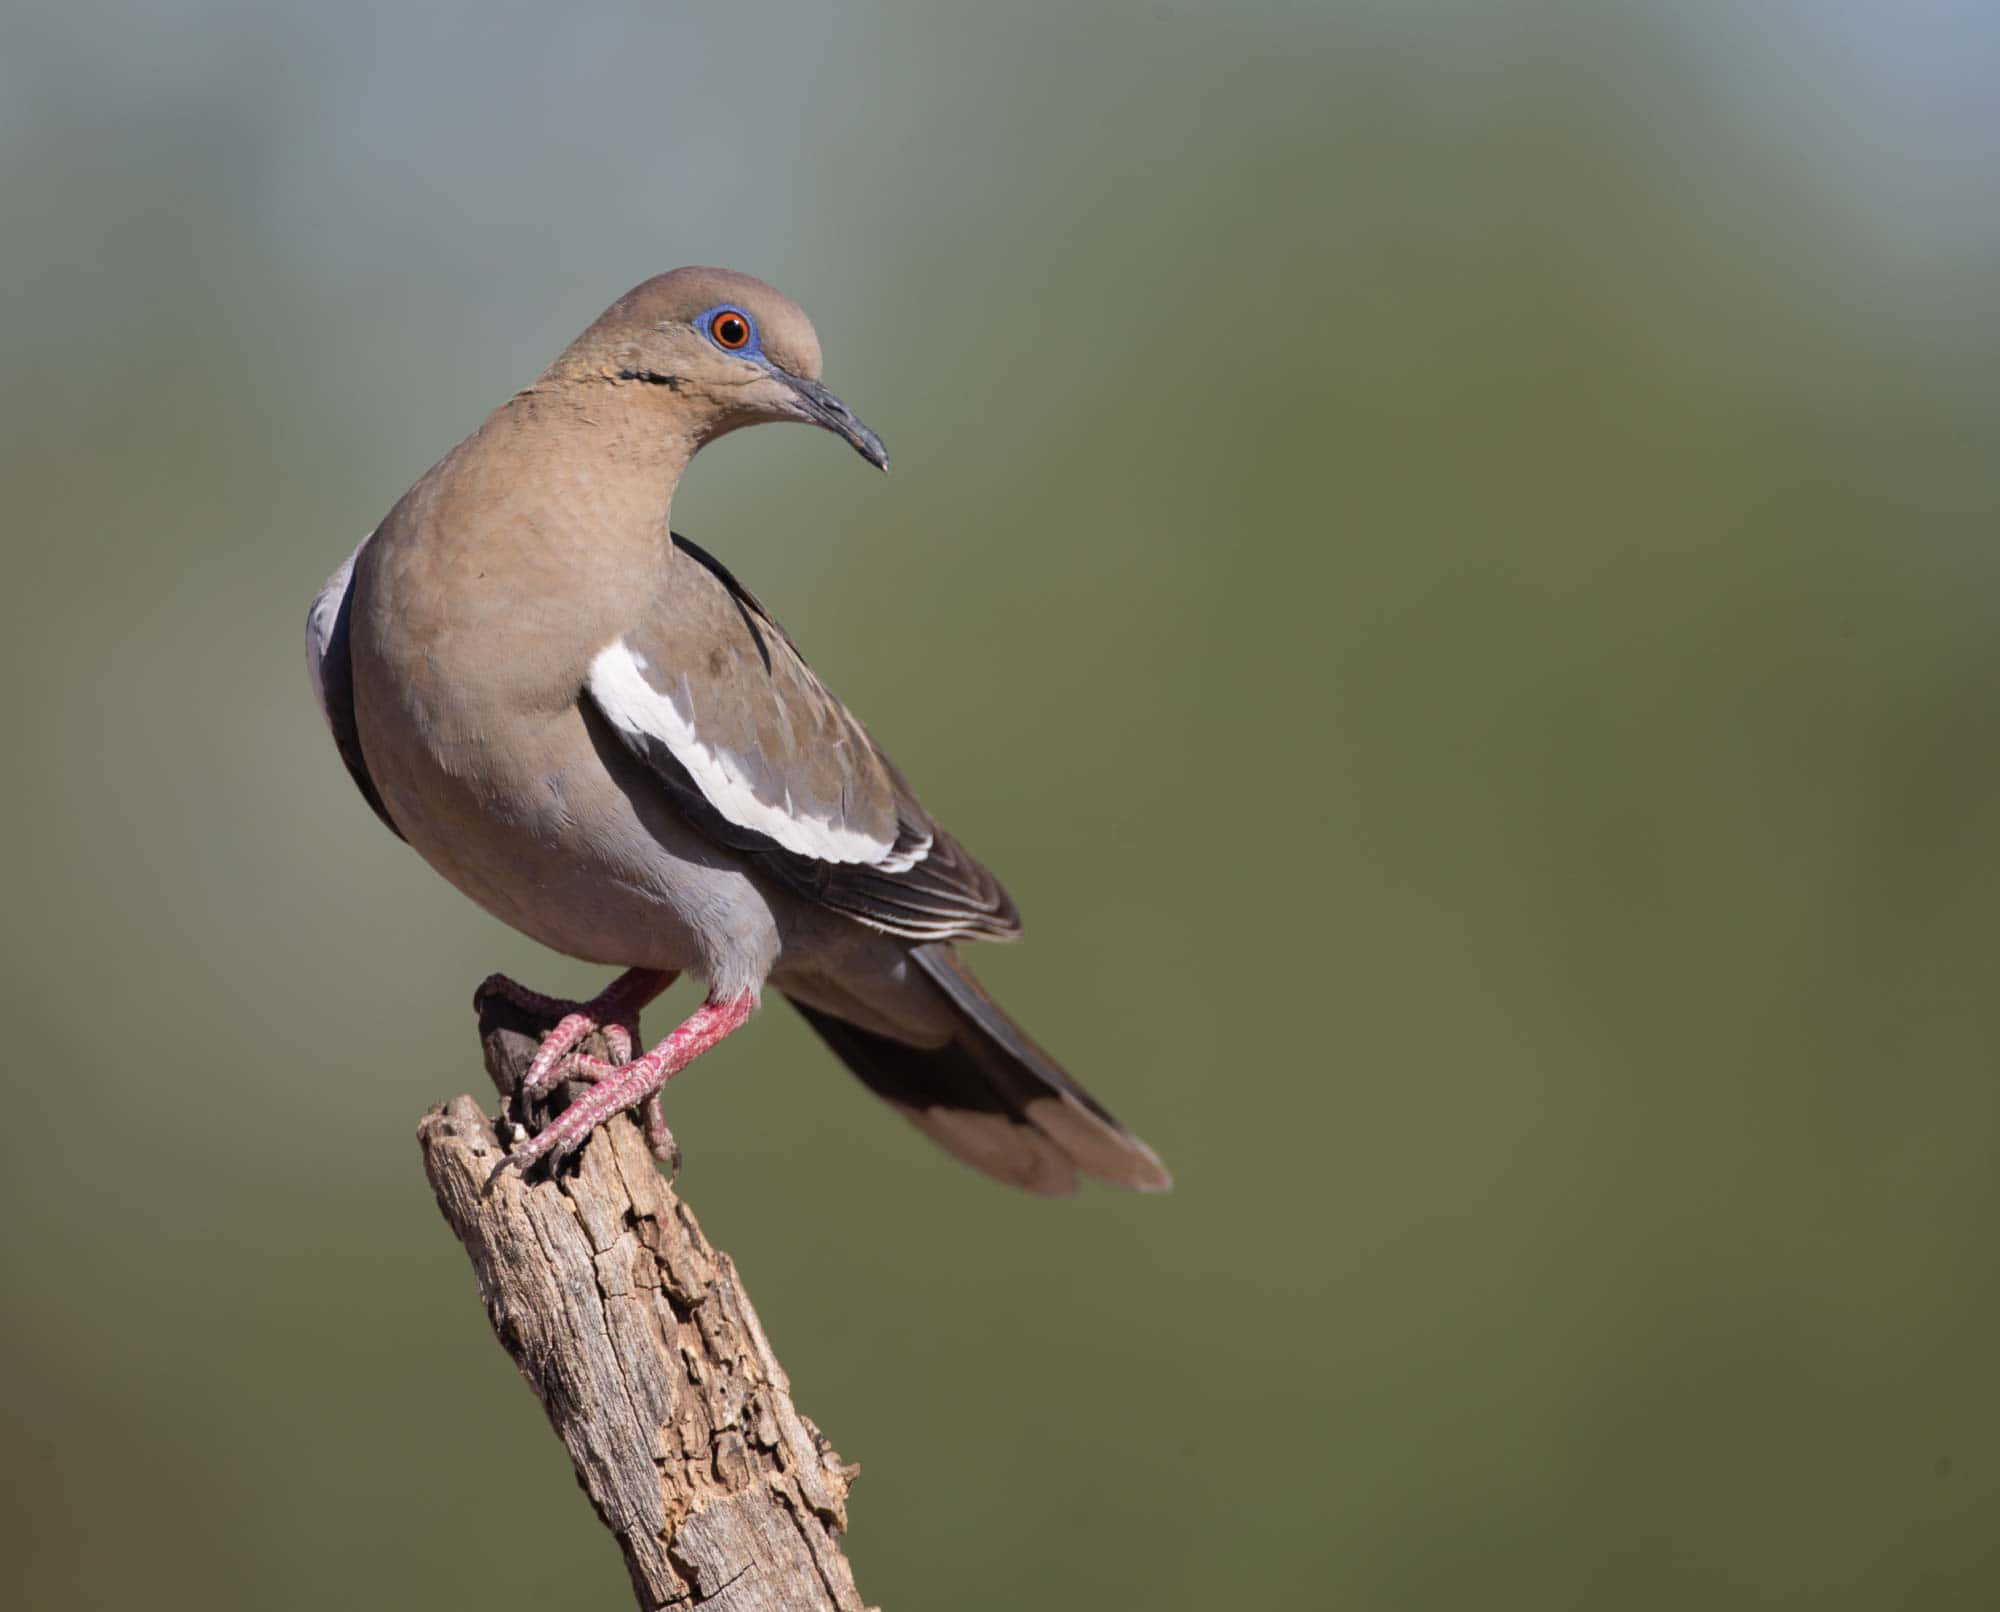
(989,1095)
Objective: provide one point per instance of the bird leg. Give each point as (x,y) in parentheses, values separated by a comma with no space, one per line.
(619,1086)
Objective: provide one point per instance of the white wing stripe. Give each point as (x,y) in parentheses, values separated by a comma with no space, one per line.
(634,706)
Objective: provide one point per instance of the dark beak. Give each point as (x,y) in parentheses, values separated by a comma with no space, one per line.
(823,408)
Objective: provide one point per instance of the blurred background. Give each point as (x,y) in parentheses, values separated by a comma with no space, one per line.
(1448,555)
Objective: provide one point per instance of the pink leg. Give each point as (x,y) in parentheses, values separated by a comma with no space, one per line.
(614,1010)
(622,1086)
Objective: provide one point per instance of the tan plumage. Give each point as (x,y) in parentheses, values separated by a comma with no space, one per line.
(589,727)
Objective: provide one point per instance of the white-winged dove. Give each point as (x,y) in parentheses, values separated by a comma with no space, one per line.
(592,729)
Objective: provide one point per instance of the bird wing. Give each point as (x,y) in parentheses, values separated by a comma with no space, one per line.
(718,703)
(332,675)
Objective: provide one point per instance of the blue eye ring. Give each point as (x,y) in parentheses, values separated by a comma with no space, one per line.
(730,328)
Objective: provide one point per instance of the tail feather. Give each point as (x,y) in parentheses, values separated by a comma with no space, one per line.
(990,1096)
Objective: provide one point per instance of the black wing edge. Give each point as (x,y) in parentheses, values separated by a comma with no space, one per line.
(336,693)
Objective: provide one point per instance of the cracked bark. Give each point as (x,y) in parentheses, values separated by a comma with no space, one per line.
(637,1336)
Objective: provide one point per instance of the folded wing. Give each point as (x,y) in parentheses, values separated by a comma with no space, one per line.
(720,705)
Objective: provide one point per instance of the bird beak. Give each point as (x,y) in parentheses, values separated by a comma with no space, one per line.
(821,407)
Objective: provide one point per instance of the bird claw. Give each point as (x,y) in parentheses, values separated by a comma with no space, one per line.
(527,1151)
(614,1015)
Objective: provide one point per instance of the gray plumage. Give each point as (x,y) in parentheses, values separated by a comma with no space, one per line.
(589,727)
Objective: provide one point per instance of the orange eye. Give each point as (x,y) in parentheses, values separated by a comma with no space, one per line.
(730,330)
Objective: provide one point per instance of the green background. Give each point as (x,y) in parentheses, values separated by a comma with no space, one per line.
(1446,552)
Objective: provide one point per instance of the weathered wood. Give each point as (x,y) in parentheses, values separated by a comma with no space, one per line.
(639,1339)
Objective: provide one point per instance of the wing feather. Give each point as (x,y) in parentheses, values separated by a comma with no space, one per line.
(721,706)
(332,675)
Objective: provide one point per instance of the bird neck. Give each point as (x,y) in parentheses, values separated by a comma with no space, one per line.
(622,434)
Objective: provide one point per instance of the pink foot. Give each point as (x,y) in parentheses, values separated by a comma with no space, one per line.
(627,1084)
(614,1010)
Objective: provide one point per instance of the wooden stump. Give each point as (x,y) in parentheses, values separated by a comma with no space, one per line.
(639,1339)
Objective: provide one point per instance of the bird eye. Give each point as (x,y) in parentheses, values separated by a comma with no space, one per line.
(730,330)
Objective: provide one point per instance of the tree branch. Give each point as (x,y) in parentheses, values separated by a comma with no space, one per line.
(638,1338)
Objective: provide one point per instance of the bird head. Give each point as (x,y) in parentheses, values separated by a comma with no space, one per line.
(725,349)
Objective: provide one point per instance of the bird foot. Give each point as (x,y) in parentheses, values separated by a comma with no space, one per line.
(627,1083)
(612,1013)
